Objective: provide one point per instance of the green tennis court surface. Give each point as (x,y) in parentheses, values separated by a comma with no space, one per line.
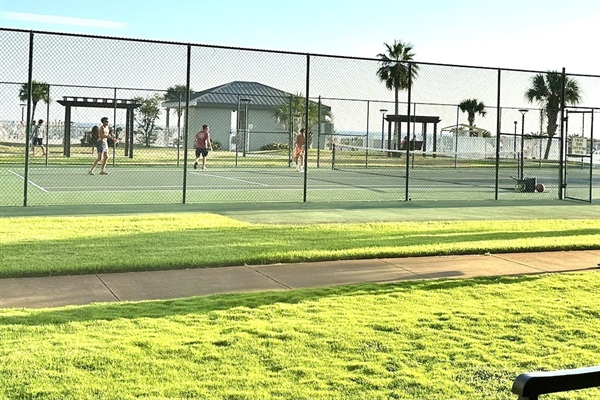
(130,184)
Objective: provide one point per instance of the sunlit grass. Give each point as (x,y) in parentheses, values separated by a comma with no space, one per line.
(459,339)
(34,246)
(447,339)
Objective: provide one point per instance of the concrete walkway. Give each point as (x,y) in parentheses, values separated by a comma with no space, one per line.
(58,291)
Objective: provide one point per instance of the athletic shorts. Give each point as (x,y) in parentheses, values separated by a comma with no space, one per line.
(37,141)
(299,152)
(201,152)
(101,147)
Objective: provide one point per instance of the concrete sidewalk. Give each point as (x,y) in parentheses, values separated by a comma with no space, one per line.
(58,291)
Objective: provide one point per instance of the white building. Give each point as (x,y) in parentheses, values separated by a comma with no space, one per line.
(224,108)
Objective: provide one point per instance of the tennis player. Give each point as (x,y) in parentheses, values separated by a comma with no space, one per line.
(37,138)
(203,145)
(102,147)
(299,143)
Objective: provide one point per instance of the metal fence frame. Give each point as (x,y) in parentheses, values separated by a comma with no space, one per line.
(409,104)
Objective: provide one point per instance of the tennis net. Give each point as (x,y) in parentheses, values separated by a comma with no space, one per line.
(347,156)
(433,168)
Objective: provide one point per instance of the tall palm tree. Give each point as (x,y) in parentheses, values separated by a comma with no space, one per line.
(176,93)
(472,107)
(40,92)
(294,107)
(394,71)
(546,89)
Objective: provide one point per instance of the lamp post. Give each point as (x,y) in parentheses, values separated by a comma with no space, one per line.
(245,101)
(23,111)
(523,112)
(383,111)
(515,142)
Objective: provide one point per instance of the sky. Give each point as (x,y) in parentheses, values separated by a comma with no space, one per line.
(520,34)
(532,35)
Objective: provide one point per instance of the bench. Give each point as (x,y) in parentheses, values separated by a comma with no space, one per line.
(414,145)
(529,386)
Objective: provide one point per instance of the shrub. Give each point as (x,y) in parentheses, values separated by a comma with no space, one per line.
(216,145)
(275,146)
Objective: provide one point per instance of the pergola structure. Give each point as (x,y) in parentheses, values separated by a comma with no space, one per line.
(94,102)
(419,119)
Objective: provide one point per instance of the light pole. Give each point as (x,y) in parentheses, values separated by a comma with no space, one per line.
(383,111)
(23,111)
(515,142)
(523,112)
(245,101)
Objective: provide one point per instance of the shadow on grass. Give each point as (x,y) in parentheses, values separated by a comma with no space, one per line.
(222,302)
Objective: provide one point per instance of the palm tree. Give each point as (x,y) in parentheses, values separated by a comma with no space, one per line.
(472,107)
(148,113)
(40,92)
(546,89)
(294,107)
(176,93)
(394,71)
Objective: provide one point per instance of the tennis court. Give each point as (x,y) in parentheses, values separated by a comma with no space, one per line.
(347,176)
(466,175)
(72,185)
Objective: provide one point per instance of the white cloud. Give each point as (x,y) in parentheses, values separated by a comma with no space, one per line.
(60,20)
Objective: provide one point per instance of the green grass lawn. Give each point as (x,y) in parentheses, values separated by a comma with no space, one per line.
(60,245)
(442,339)
(446,339)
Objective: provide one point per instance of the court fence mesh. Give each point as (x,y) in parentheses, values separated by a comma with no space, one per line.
(457,133)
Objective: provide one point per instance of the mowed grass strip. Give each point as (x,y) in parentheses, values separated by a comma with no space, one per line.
(445,339)
(41,246)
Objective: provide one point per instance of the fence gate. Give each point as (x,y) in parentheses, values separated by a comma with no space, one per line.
(579,166)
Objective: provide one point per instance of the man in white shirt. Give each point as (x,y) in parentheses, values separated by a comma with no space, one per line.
(37,137)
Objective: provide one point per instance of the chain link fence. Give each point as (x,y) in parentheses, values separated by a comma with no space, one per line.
(455,133)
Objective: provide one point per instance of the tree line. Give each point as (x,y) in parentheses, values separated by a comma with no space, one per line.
(398,72)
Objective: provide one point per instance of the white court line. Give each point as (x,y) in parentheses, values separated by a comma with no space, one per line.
(231,179)
(28,181)
(155,187)
(102,188)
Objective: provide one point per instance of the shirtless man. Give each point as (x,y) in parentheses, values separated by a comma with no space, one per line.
(102,147)
(299,142)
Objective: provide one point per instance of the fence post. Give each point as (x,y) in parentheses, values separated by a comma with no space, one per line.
(563,141)
(27,120)
(498,130)
(306,127)
(186,122)
(408,137)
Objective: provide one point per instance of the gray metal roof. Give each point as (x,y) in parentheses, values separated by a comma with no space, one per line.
(230,94)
